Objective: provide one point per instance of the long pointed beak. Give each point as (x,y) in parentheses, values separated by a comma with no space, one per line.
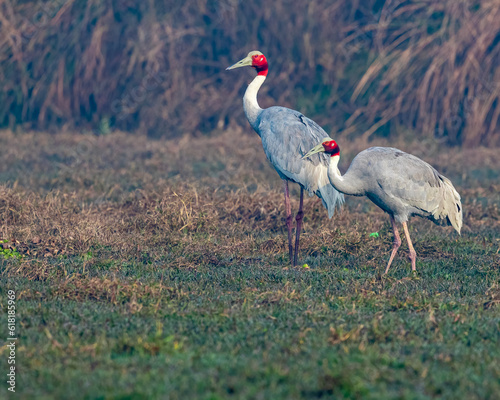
(246,62)
(318,149)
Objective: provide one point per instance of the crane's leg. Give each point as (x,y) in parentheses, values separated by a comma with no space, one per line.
(298,218)
(395,245)
(288,211)
(413,253)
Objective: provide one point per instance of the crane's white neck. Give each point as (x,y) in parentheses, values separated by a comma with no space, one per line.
(346,184)
(250,104)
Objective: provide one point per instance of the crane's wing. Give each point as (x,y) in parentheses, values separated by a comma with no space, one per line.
(410,182)
(287,136)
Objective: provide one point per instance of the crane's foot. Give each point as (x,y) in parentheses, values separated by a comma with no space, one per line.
(395,244)
(298,219)
(413,253)
(288,213)
(290,245)
(395,247)
(413,258)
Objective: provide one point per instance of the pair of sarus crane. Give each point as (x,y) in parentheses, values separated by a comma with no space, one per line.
(301,151)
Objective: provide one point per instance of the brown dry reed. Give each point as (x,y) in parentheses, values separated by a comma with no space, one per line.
(359,68)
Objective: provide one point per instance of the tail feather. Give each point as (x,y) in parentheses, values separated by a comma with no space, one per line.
(315,181)
(330,197)
(451,206)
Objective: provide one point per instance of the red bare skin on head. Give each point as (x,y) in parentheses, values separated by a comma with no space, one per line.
(259,62)
(332,148)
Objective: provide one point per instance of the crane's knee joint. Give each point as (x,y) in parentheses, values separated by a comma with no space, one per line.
(299,216)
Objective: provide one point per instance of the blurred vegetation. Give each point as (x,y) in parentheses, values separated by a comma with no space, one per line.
(357,67)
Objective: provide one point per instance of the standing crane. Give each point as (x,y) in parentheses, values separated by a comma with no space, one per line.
(400,184)
(286,136)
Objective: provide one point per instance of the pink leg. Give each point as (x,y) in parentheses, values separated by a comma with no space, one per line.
(288,211)
(298,218)
(413,253)
(395,245)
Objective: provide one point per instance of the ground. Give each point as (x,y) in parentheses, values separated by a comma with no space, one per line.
(159,269)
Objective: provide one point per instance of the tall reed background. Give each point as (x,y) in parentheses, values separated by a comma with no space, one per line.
(427,69)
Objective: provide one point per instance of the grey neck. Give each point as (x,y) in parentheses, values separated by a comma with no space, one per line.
(346,184)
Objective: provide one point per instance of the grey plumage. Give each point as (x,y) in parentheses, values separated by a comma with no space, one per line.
(403,185)
(287,135)
(400,184)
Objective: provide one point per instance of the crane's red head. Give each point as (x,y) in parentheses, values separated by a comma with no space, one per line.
(259,62)
(331,147)
(328,146)
(254,59)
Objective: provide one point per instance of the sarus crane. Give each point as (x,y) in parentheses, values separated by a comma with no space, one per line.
(400,184)
(286,136)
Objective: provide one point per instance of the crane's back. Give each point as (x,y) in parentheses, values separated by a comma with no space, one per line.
(405,185)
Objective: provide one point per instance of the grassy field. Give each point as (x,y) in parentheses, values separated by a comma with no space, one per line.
(159,269)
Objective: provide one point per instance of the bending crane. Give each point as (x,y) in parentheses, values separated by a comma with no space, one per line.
(400,184)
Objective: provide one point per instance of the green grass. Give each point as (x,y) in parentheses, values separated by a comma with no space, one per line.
(188,294)
(256,330)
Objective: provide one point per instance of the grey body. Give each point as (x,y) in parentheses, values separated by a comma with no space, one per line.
(402,185)
(286,136)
